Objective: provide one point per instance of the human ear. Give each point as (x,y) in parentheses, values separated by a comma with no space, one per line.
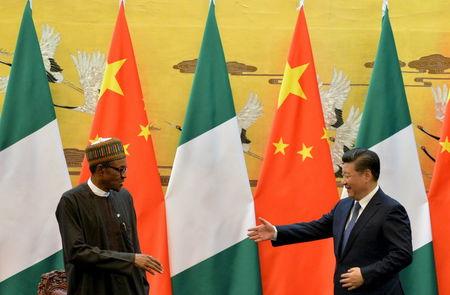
(99,169)
(368,175)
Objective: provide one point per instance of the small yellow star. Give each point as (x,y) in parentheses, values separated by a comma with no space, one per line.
(109,79)
(291,82)
(305,152)
(326,135)
(96,139)
(445,145)
(125,149)
(145,131)
(280,146)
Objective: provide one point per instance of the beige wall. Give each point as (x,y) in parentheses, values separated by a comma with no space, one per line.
(344,35)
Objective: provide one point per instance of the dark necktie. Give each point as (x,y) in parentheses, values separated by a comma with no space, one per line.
(350,225)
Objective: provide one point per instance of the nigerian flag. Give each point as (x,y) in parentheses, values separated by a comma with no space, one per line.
(208,201)
(386,128)
(33,171)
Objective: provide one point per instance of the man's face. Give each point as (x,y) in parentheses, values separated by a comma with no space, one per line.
(114,174)
(358,184)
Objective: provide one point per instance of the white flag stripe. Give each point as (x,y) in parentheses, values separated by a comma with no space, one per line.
(32,181)
(204,216)
(401,178)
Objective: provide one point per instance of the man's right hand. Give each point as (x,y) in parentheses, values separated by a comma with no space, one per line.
(262,232)
(148,263)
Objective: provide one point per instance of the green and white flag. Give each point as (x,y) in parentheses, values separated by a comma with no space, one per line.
(386,128)
(33,171)
(209,202)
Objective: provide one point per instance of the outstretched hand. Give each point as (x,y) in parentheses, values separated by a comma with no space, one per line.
(262,232)
(148,263)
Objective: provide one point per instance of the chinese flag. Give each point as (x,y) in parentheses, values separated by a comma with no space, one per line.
(121,113)
(297,181)
(439,200)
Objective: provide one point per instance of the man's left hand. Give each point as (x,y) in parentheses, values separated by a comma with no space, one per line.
(352,279)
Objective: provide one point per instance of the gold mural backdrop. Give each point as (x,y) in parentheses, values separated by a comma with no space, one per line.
(166,34)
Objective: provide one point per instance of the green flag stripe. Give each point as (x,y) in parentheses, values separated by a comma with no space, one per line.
(211,101)
(22,114)
(386,113)
(422,267)
(238,273)
(26,281)
(386,109)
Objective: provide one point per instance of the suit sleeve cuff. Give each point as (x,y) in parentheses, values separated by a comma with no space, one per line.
(276,233)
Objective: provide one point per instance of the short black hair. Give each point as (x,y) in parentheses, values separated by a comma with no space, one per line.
(363,159)
(93,168)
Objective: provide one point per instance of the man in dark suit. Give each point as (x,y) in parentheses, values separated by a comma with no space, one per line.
(370,230)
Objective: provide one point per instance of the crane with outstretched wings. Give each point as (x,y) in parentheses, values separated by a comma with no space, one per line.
(440,96)
(333,99)
(48,43)
(252,110)
(3,83)
(345,137)
(90,68)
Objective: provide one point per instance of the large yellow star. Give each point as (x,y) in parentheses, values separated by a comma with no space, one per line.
(109,79)
(445,145)
(305,152)
(125,149)
(280,146)
(145,131)
(291,82)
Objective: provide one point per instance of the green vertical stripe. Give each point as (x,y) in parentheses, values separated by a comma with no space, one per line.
(26,281)
(386,109)
(211,101)
(386,112)
(422,267)
(28,105)
(234,271)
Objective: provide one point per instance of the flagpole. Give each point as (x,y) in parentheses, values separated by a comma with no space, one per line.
(31,4)
(300,4)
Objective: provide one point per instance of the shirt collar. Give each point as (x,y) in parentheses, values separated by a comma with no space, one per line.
(97,191)
(365,200)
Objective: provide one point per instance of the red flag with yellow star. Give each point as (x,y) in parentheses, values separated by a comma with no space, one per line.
(439,200)
(121,113)
(297,181)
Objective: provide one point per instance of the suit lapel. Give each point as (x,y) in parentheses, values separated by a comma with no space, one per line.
(366,215)
(344,212)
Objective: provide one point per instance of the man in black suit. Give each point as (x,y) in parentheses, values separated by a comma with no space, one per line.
(370,230)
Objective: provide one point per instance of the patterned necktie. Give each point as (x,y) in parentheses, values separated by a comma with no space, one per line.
(350,225)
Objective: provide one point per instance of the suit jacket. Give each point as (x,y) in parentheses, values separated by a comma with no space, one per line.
(380,243)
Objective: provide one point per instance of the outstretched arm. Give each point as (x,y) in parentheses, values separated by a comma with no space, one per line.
(321,228)
(293,233)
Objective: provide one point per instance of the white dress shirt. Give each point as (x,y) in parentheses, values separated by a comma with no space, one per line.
(363,203)
(97,191)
